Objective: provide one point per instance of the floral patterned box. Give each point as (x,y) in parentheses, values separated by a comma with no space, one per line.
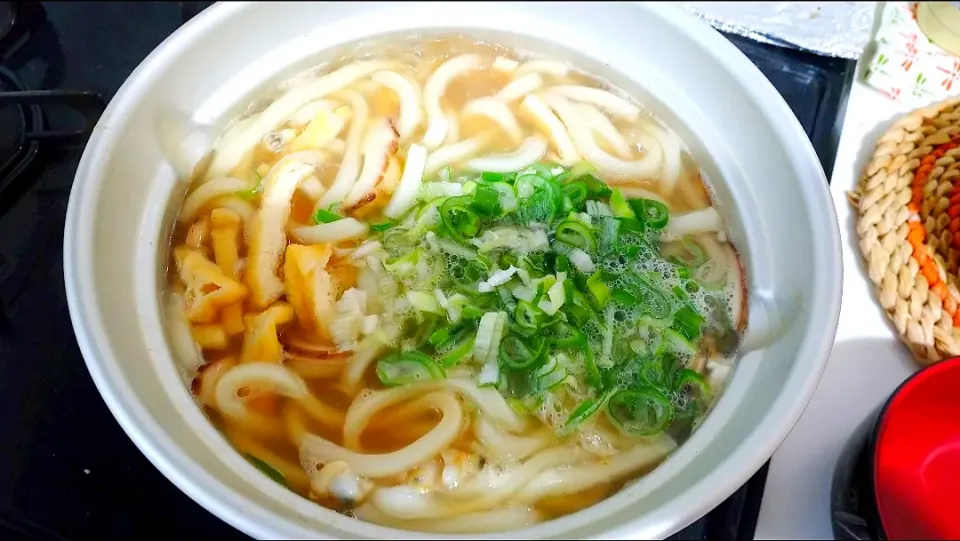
(906,66)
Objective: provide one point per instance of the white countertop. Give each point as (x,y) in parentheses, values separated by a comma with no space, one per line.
(867,363)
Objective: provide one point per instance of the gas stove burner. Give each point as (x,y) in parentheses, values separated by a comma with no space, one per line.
(23,110)
(39,128)
(27,131)
(17,152)
(17,21)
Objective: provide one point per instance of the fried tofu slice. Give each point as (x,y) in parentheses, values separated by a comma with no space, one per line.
(324,126)
(268,236)
(261,342)
(310,288)
(207,287)
(225,226)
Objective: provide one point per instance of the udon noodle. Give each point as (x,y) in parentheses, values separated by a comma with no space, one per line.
(448,288)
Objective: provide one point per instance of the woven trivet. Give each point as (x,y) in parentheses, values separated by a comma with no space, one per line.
(908,221)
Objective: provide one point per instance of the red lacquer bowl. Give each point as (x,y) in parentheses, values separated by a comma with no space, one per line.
(916,459)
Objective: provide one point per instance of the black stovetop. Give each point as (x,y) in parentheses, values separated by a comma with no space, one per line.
(67,470)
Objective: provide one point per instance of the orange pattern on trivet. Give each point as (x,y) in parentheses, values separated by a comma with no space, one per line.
(917,234)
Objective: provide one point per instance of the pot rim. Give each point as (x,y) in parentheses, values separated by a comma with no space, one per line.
(256,520)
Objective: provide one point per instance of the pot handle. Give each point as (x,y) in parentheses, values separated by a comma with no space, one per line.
(768,319)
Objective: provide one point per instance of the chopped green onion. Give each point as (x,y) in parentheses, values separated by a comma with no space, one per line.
(539,169)
(463,349)
(405,265)
(541,289)
(541,207)
(630,224)
(652,212)
(582,169)
(576,234)
(540,198)
(249,195)
(688,323)
(407,367)
(551,380)
(565,335)
(503,188)
(584,411)
(267,469)
(639,412)
(624,297)
(519,406)
(423,301)
(579,308)
(607,330)
(577,192)
(672,363)
(592,371)
(599,290)
(678,342)
(524,332)
(649,340)
(252,193)
(509,259)
(517,287)
(535,263)
(426,212)
(696,391)
(458,218)
(562,178)
(446,335)
(619,205)
(653,301)
(486,201)
(486,346)
(506,195)
(468,274)
(322,216)
(456,250)
(595,187)
(710,275)
(383,226)
(552,364)
(685,253)
(651,372)
(555,295)
(528,316)
(609,230)
(470,312)
(427,324)
(518,355)
(506,298)
(682,296)
(527,184)
(688,377)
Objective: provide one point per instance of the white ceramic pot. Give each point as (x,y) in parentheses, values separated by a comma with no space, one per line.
(769,186)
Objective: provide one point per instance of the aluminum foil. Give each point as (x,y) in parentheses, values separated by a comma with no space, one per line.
(839,29)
